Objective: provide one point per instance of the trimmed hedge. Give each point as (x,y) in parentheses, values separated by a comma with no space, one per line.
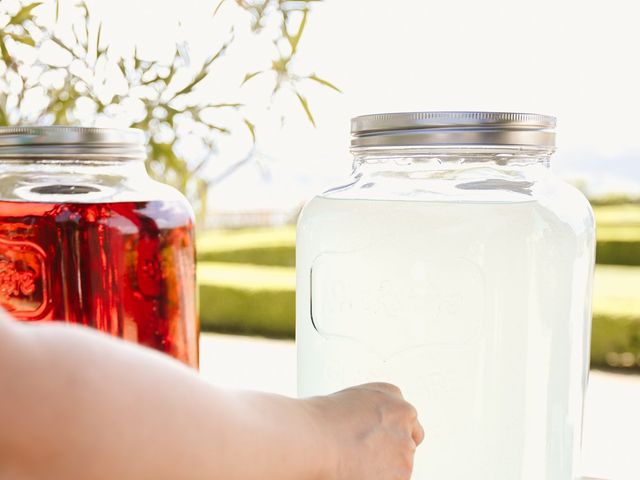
(615,341)
(618,244)
(618,252)
(245,299)
(618,234)
(258,300)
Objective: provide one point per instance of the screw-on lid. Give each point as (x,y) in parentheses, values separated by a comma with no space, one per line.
(57,142)
(414,129)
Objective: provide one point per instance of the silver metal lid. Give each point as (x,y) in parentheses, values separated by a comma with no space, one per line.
(414,129)
(71,143)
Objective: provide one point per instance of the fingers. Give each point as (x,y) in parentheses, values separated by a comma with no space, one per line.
(383,387)
(418,433)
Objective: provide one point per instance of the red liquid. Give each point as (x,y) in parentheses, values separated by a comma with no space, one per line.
(123,268)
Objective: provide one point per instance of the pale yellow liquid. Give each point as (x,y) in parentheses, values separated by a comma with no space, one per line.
(478,311)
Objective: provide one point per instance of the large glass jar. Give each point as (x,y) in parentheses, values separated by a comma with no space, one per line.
(87,237)
(455,264)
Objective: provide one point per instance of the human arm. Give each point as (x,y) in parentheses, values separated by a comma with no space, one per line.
(77,404)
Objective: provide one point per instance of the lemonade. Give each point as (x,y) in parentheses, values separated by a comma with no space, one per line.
(477,310)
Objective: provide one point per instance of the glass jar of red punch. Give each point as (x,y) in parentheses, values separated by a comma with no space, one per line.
(87,237)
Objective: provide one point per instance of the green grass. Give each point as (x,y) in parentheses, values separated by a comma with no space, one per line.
(617,215)
(247,276)
(263,246)
(618,234)
(615,339)
(622,233)
(617,291)
(247,283)
(247,238)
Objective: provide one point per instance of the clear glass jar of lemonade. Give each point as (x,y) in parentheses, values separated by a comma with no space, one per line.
(455,264)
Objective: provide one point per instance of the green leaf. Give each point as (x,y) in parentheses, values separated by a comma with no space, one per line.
(5,53)
(122,67)
(24,14)
(217,9)
(61,44)
(85,9)
(84,6)
(173,68)
(293,41)
(324,82)
(98,39)
(249,76)
(198,78)
(252,129)
(218,54)
(218,128)
(4,121)
(26,39)
(222,105)
(57,10)
(305,106)
(136,59)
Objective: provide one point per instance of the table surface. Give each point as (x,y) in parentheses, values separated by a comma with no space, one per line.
(612,407)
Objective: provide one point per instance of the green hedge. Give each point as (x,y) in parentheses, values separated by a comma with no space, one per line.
(246,299)
(618,252)
(618,234)
(258,300)
(615,341)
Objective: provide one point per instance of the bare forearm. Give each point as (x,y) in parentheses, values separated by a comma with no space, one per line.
(76,404)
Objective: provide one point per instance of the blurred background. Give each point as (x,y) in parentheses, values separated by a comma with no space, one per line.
(246,105)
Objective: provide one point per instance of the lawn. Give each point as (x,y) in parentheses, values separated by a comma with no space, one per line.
(608,215)
(617,290)
(265,246)
(618,234)
(247,283)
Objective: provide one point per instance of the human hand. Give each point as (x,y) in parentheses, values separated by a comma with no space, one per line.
(372,432)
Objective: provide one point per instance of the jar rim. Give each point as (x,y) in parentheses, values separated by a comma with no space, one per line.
(65,142)
(453,128)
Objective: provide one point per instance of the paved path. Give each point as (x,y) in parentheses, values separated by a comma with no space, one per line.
(611,444)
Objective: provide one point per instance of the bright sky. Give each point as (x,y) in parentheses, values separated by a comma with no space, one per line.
(574,59)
